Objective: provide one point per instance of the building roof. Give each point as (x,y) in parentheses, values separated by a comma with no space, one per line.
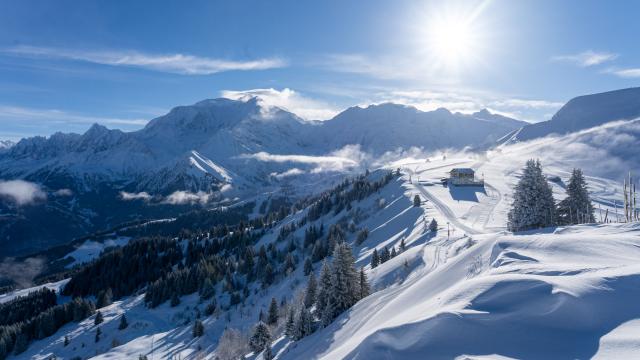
(463,170)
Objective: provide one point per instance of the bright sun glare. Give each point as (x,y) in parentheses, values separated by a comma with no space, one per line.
(454,37)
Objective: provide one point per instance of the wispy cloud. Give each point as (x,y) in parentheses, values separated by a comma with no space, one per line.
(170,63)
(127,196)
(305,107)
(14,113)
(22,192)
(186,197)
(625,73)
(587,58)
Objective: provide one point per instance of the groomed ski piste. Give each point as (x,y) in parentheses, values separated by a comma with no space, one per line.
(471,290)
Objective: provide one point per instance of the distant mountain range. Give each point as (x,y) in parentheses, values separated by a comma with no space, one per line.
(237,150)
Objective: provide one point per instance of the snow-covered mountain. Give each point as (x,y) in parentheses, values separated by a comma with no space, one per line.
(587,111)
(213,150)
(6,144)
(469,290)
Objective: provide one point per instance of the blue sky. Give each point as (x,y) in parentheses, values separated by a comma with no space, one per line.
(67,64)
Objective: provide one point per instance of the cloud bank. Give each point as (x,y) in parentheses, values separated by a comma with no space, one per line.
(22,192)
(290,100)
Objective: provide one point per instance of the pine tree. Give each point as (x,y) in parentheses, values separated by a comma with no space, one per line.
(303,324)
(402,245)
(375,259)
(576,208)
(393,252)
(66,340)
(99,319)
(272,319)
(267,354)
(98,333)
(123,323)
(290,325)
(416,200)
(308,267)
(311,292)
(433,225)
(198,329)
(533,204)
(104,298)
(260,338)
(324,288)
(384,255)
(344,279)
(363,285)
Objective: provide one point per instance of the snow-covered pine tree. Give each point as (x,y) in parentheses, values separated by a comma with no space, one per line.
(576,208)
(267,354)
(344,276)
(303,324)
(416,200)
(375,259)
(310,293)
(324,288)
(289,329)
(260,337)
(533,204)
(363,283)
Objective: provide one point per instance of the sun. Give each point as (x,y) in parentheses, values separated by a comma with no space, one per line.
(451,40)
(454,36)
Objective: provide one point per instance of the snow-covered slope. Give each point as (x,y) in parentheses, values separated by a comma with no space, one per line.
(587,111)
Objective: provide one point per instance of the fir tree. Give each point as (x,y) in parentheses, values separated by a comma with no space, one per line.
(402,245)
(326,283)
(123,323)
(363,285)
(433,225)
(99,319)
(98,333)
(260,337)
(303,324)
(66,340)
(272,319)
(533,204)
(290,324)
(308,267)
(384,255)
(344,278)
(267,354)
(104,298)
(311,292)
(576,208)
(362,236)
(198,329)
(393,252)
(416,200)
(375,259)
